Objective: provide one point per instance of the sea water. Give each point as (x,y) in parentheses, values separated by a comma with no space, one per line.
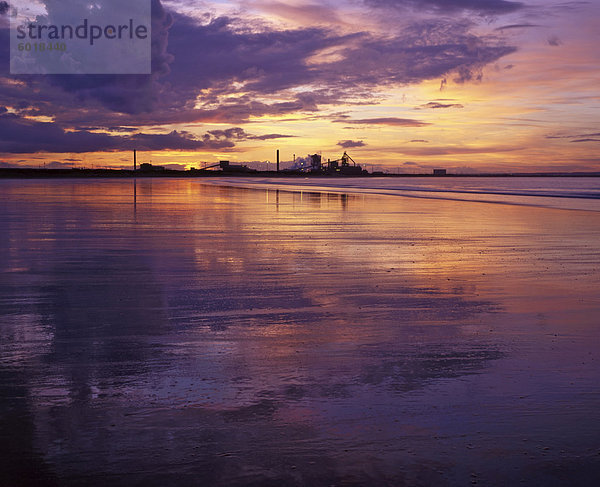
(187,332)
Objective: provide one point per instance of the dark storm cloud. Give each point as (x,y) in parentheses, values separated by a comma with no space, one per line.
(348,144)
(392,121)
(484,7)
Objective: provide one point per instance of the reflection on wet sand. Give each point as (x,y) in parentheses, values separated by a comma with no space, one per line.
(228,336)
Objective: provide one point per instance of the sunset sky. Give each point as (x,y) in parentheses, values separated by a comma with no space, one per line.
(402,85)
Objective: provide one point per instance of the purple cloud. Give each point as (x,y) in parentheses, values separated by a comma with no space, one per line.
(348,144)
(264,63)
(586,136)
(240,71)
(270,136)
(436,105)
(238,133)
(485,7)
(554,41)
(18,135)
(392,121)
(132,94)
(516,26)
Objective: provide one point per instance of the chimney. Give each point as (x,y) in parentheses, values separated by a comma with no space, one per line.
(277,160)
(134,160)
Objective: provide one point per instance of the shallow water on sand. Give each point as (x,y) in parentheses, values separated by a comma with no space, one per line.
(168,332)
(570,193)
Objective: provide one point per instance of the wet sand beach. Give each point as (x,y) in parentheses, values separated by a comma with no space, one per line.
(171,332)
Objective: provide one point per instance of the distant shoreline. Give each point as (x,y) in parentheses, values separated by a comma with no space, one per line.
(28,173)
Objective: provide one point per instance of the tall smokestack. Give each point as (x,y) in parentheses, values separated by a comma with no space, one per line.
(277,160)
(134,160)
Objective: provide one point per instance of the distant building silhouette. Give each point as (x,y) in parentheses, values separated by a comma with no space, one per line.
(226,166)
(145,167)
(316,162)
